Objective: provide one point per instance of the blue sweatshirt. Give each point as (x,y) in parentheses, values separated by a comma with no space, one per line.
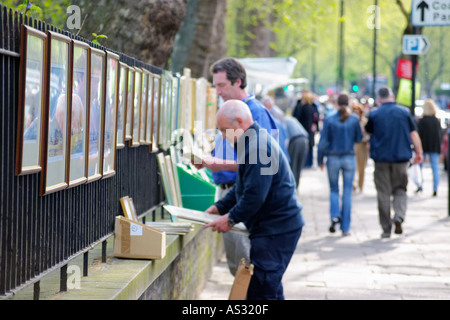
(264,197)
(338,138)
(390,127)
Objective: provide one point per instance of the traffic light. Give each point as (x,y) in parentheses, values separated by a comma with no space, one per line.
(355,87)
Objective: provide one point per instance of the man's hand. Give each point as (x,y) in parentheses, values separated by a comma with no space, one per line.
(418,159)
(220,225)
(417,143)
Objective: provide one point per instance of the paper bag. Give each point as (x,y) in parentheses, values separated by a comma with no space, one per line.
(241,281)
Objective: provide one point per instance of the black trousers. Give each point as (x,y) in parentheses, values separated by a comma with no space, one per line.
(271,256)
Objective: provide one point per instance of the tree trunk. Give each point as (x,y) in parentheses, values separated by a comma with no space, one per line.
(201,39)
(143,29)
(261,37)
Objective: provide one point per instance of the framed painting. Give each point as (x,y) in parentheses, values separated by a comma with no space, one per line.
(144,108)
(136,111)
(96,110)
(211,108)
(55,128)
(133,209)
(165,178)
(156,112)
(165,110)
(130,104)
(149,125)
(31,101)
(176,104)
(110,115)
(122,105)
(78,113)
(200,105)
(128,208)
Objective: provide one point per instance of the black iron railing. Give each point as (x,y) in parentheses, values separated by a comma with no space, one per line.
(38,234)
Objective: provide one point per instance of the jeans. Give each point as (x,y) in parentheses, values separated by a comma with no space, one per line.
(434,160)
(346,164)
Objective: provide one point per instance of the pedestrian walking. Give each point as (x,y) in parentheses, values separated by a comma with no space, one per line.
(298,146)
(339,134)
(274,110)
(361,148)
(307,114)
(264,198)
(392,131)
(430,133)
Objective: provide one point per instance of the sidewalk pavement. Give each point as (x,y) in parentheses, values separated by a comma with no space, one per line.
(325,266)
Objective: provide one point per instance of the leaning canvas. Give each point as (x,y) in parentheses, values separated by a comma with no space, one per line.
(201,217)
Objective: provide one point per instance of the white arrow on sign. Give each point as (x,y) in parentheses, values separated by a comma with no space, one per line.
(415,44)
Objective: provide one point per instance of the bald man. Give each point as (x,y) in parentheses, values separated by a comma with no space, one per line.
(264,198)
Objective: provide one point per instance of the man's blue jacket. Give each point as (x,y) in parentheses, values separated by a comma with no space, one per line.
(264,197)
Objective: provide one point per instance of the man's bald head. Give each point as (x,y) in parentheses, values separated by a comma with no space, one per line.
(233,118)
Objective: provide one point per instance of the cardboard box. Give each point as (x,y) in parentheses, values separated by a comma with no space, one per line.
(241,281)
(138,241)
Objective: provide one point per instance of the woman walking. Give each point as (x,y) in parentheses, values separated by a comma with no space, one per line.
(361,148)
(340,132)
(430,133)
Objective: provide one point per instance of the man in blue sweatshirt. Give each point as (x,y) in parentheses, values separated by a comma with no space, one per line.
(264,198)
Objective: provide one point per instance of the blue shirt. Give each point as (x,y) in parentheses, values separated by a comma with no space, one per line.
(260,115)
(264,196)
(338,138)
(390,127)
(223,150)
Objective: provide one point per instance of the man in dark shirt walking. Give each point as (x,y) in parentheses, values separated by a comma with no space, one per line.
(392,131)
(264,198)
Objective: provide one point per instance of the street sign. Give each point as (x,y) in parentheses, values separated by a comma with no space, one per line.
(415,44)
(404,69)
(430,13)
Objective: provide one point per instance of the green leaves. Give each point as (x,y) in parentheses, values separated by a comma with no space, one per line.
(98,36)
(30,9)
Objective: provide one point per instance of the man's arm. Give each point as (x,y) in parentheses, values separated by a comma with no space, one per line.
(417,143)
(216,164)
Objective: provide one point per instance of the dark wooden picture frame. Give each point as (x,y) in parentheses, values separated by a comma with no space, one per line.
(150,103)
(31,101)
(136,111)
(144,108)
(122,105)
(130,104)
(78,114)
(156,112)
(110,114)
(54,152)
(97,67)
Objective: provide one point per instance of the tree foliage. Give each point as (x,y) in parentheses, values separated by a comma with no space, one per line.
(308,30)
(52,12)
